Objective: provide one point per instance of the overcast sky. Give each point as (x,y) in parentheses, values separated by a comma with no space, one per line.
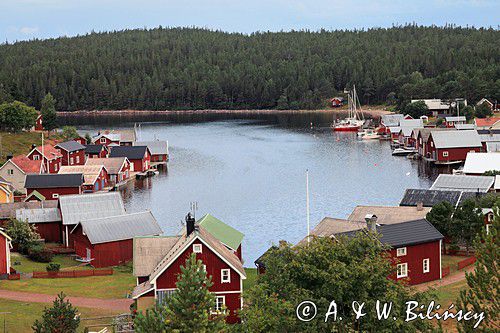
(26,19)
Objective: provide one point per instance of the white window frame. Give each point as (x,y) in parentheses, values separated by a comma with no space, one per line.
(197,248)
(445,154)
(402,270)
(71,161)
(102,140)
(162,294)
(225,276)
(36,157)
(490,217)
(55,195)
(55,167)
(77,158)
(426,265)
(401,251)
(10,171)
(219,306)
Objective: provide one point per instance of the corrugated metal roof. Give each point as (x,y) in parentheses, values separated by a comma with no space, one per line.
(148,251)
(223,232)
(497,183)
(70,146)
(431,197)
(463,183)
(38,215)
(433,104)
(456,139)
(156,147)
(90,172)
(390,120)
(120,227)
(8,210)
(112,164)
(413,123)
(493,137)
(455,118)
(53,180)
(479,163)
(465,126)
(493,147)
(76,208)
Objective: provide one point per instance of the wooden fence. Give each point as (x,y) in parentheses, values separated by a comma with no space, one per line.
(72,274)
(14,276)
(466,262)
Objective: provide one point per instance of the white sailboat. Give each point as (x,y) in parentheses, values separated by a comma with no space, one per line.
(355,118)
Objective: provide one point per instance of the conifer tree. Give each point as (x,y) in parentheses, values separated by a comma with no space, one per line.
(48,110)
(60,318)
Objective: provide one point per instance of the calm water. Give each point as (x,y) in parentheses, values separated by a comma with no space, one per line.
(251,175)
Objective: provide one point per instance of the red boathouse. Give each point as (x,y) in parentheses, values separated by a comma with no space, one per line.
(139,156)
(51,186)
(444,147)
(5,246)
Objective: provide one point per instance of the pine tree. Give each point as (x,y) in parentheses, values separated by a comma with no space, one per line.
(441,218)
(60,318)
(484,282)
(48,110)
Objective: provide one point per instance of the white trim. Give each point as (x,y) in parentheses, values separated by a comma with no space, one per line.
(401,251)
(445,154)
(428,261)
(405,265)
(440,262)
(67,237)
(227,292)
(217,302)
(222,271)
(153,281)
(197,248)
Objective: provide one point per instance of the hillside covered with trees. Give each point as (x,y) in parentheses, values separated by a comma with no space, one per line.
(187,68)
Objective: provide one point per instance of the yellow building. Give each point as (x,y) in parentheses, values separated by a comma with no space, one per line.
(6,191)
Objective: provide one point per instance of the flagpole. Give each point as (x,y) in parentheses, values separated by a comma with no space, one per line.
(307,206)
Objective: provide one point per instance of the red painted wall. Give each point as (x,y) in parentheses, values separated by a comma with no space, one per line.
(97,186)
(3,255)
(142,164)
(105,254)
(454,154)
(159,158)
(107,143)
(214,265)
(47,192)
(78,157)
(51,231)
(415,255)
(54,164)
(39,124)
(81,140)
(124,172)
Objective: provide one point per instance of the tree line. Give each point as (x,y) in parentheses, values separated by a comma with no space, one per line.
(188,68)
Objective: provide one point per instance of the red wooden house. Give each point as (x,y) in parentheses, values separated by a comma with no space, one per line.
(51,186)
(96,151)
(452,121)
(5,246)
(139,156)
(95,177)
(387,121)
(81,140)
(47,221)
(157,263)
(73,153)
(157,148)
(39,123)
(415,246)
(107,139)
(108,241)
(444,147)
(118,168)
(51,157)
(337,102)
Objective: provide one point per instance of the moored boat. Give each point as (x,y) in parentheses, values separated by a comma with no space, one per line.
(354,120)
(368,134)
(403,151)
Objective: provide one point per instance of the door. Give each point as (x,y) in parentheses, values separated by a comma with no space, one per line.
(89,254)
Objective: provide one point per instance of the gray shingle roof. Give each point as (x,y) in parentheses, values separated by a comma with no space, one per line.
(76,208)
(93,149)
(456,139)
(406,233)
(431,197)
(38,215)
(463,183)
(70,146)
(156,147)
(130,152)
(53,180)
(121,227)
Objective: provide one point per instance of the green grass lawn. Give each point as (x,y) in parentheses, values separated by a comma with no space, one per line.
(28,266)
(451,261)
(20,143)
(112,286)
(450,293)
(22,315)
(251,278)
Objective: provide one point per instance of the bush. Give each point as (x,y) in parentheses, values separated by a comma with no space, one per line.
(22,233)
(39,254)
(53,267)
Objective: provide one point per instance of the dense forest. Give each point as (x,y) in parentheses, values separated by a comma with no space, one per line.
(187,68)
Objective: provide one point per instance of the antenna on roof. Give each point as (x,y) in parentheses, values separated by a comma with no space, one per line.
(193,208)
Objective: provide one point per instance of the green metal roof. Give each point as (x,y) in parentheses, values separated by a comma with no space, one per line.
(37,195)
(224,233)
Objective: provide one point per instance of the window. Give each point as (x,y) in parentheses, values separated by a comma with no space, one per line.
(432,144)
(425,265)
(10,171)
(488,226)
(445,154)
(163,295)
(103,140)
(55,167)
(220,302)
(70,160)
(402,270)
(78,159)
(401,251)
(55,195)
(490,217)
(225,276)
(36,157)
(197,248)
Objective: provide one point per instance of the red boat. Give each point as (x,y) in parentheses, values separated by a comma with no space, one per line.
(354,120)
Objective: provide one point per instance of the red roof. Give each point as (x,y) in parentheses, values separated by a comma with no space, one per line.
(27,165)
(49,151)
(486,122)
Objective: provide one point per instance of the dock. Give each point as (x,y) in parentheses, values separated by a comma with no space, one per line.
(146,174)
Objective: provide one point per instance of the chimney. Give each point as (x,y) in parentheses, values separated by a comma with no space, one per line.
(420,206)
(10,156)
(371,222)
(33,146)
(190,221)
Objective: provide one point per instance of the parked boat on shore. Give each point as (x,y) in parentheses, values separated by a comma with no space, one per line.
(403,151)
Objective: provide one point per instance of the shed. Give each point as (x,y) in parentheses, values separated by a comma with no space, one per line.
(48,222)
(51,186)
